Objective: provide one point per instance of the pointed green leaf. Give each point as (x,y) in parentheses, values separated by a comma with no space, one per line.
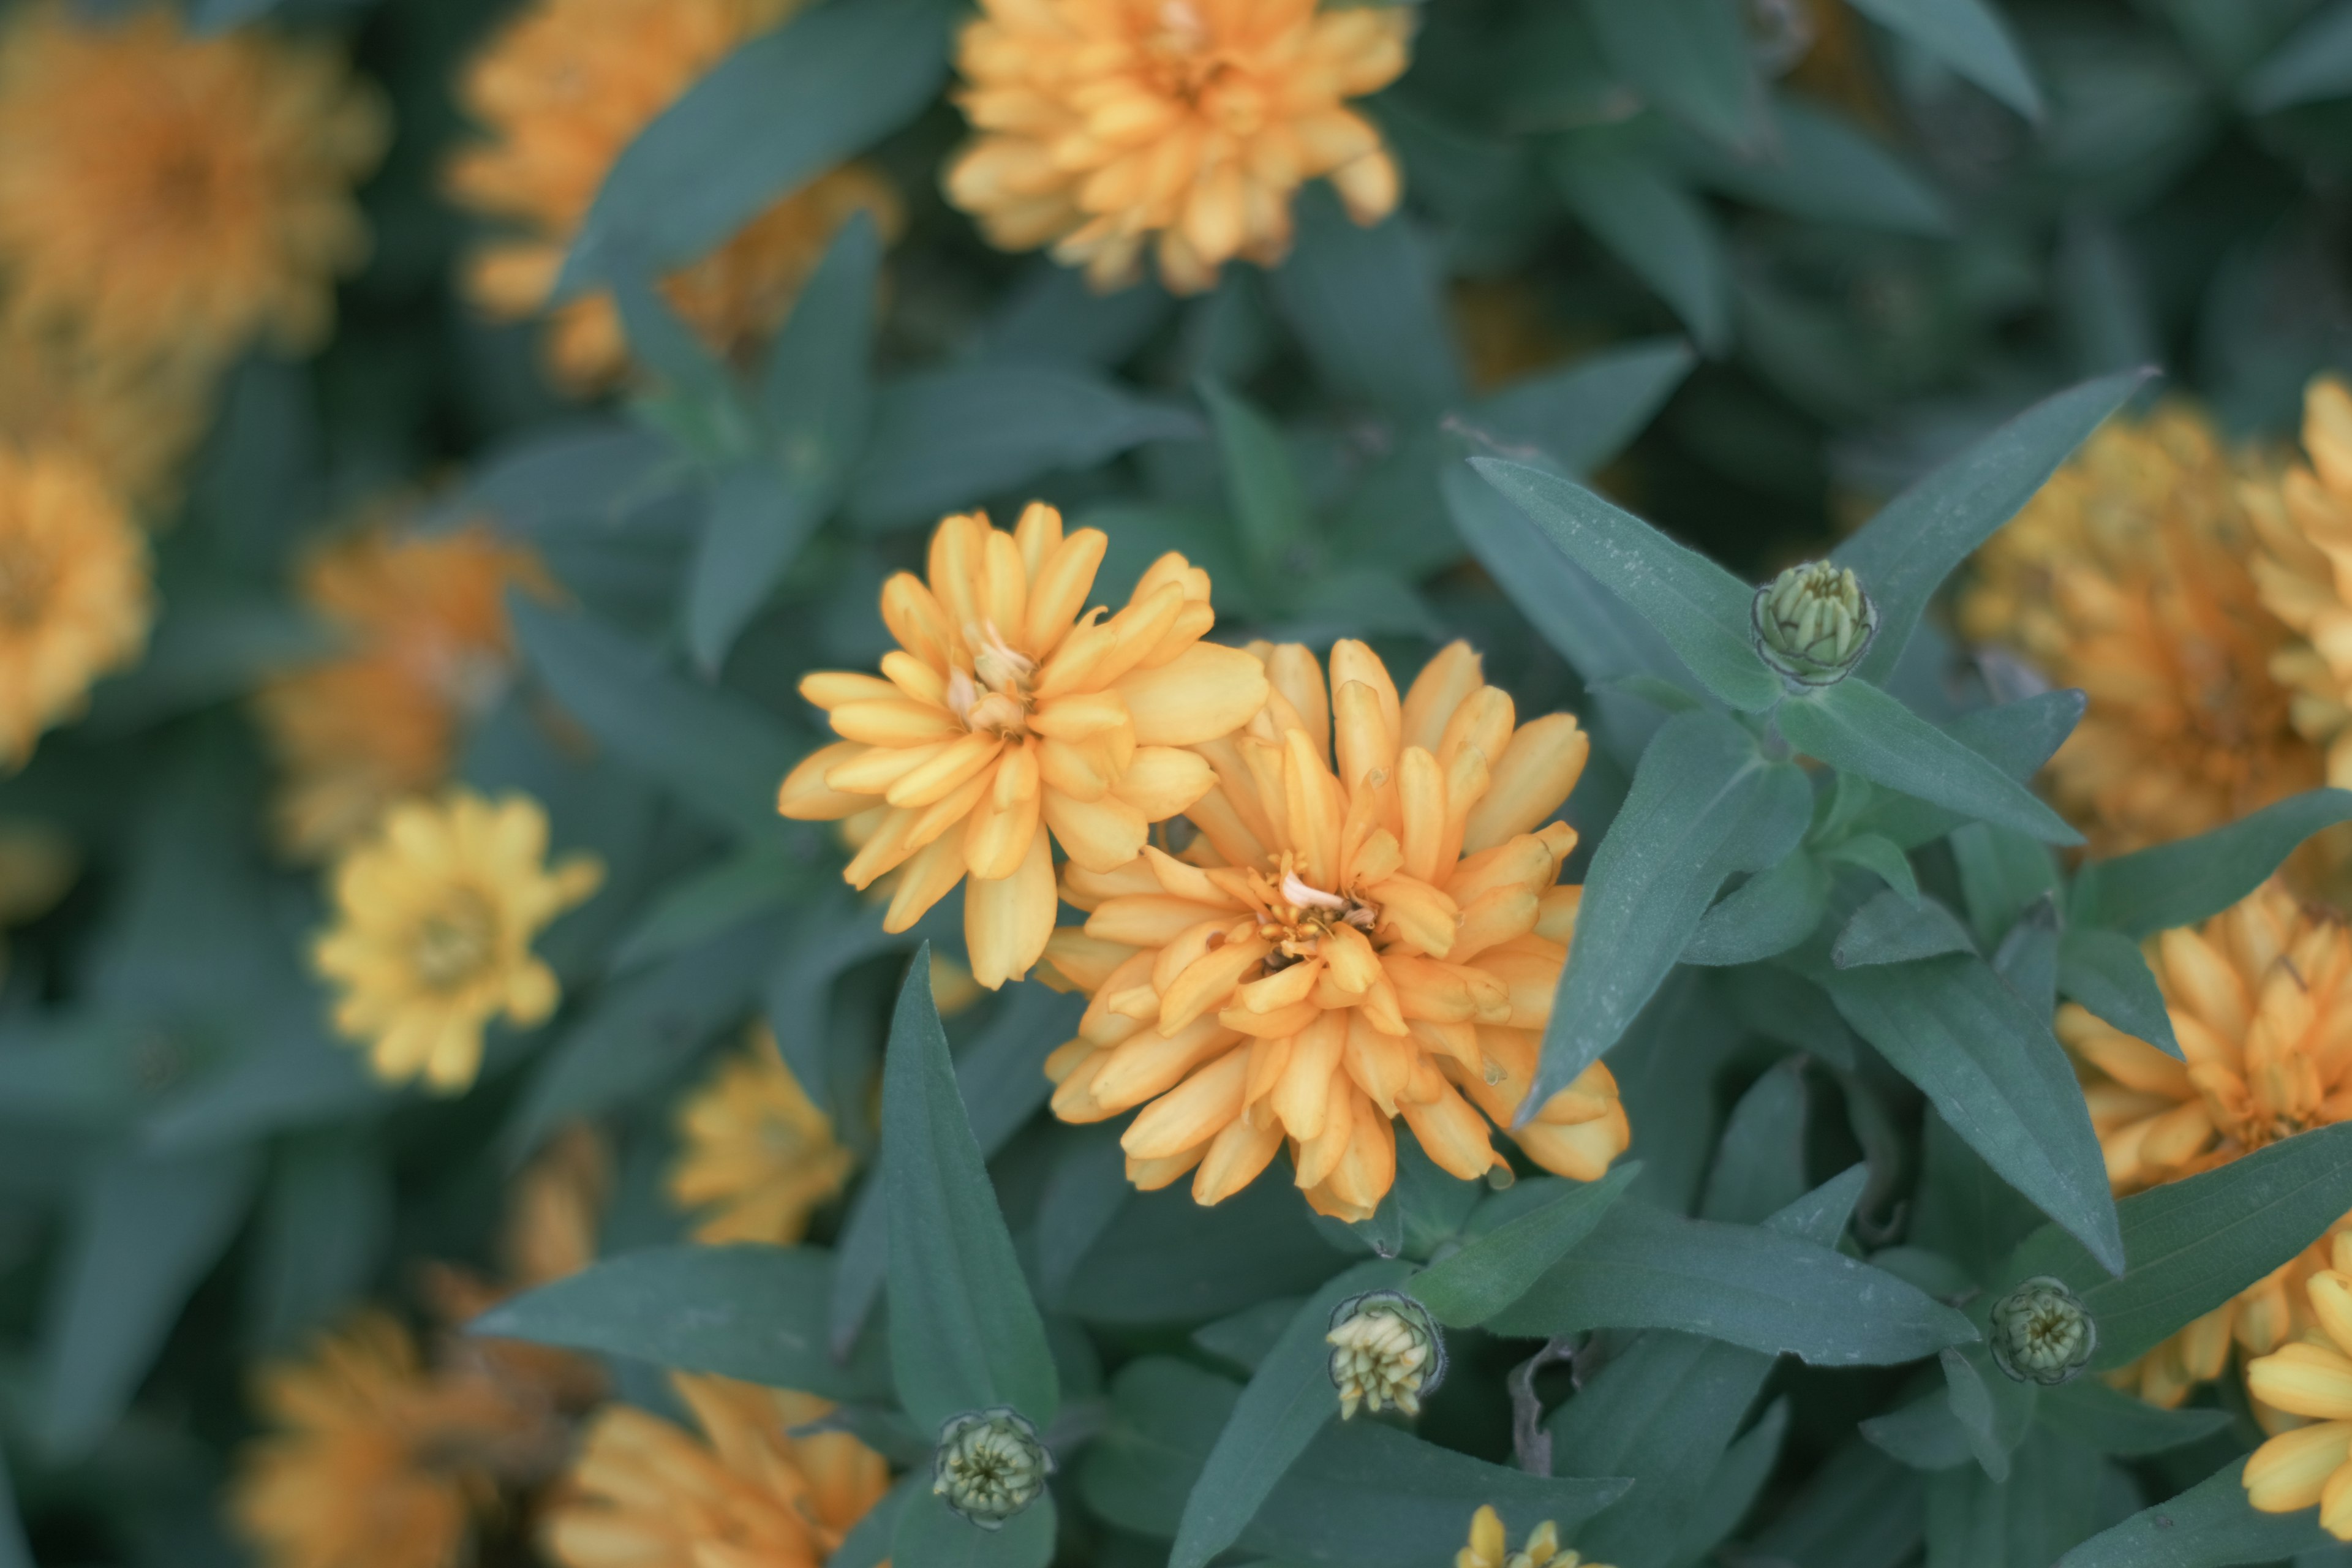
(1820,167)
(817,391)
(933,1534)
(1368,305)
(1861,729)
(2002,875)
(15,1551)
(2018,738)
(964,1334)
(1690,58)
(1759,1162)
(2098,1416)
(1891,928)
(1924,1434)
(1773,911)
(2106,973)
(1261,487)
(1495,1269)
(1585,414)
(1738,1479)
(1637,207)
(1700,608)
(2027,959)
(2181,883)
(1881,857)
(1969,35)
(2312,63)
(1994,1411)
(1904,554)
(754,526)
(2211,1525)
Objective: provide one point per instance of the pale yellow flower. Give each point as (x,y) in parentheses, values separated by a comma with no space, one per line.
(1107,127)
(75,601)
(165,191)
(1489,1547)
(435,919)
(647,1494)
(2304,517)
(759,1157)
(2312,1378)
(1367,927)
(562,89)
(1007,712)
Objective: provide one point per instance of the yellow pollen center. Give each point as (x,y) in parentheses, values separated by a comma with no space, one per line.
(993,697)
(1300,915)
(455,941)
(1183,61)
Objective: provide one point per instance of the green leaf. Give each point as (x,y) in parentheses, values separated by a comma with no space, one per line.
(1859,1509)
(1773,911)
(2099,1417)
(1700,609)
(1587,413)
(1994,1412)
(2314,63)
(870,1541)
(15,1551)
(2027,958)
(1638,209)
(1760,1162)
(2002,875)
(1820,167)
(816,390)
(947,439)
(1703,804)
(1167,1260)
(1996,1074)
(703,905)
(2050,1502)
(1289,1399)
(2017,738)
(1739,1479)
(2106,973)
(1367,307)
(1861,729)
(935,1535)
(746,1311)
(715,752)
(781,110)
(1924,1434)
(964,1334)
(754,526)
(1691,58)
(1969,35)
(1495,1269)
(2211,1525)
(1891,928)
(1881,857)
(1904,554)
(326,1221)
(2195,1243)
(2181,883)
(145,1230)
(1262,488)
(1644,1269)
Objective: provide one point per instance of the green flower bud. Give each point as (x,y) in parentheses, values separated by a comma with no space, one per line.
(2042,1333)
(989,1465)
(1385,1350)
(1813,622)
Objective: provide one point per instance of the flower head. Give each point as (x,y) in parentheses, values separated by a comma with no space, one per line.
(426,648)
(1813,622)
(645,1493)
(2304,520)
(132,420)
(1103,127)
(2310,1465)
(1489,1547)
(161,191)
(562,89)
(759,1157)
(75,602)
(435,919)
(2127,575)
(2042,1333)
(989,1465)
(1008,712)
(1385,1350)
(1367,927)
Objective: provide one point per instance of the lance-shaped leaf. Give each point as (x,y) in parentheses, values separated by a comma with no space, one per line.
(2106,973)
(2312,63)
(1493,1270)
(2193,1244)
(15,1551)
(1700,608)
(1904,554)
(964,1334)
(2211,1525)
(1773,911)
(1996,1074)
(2017,738)
(1703,804)
(932,1534)
(1584,414)
(2098,1416)
(1968,36)
(756,1313)
(1863,729)
(1262,487)
(2189,881)
(1891,928)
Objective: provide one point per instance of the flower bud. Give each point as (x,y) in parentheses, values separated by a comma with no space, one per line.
(1385,1350)
(1813,622)
(989,1465)
(2042,1333)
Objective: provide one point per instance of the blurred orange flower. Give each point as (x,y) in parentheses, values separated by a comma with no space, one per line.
(75,601)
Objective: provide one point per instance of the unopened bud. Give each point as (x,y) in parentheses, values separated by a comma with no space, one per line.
(2042,1332)
(1385,1350)
(989,1465)
(1813,622)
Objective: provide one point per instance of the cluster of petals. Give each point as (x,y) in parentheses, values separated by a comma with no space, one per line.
(1367,926)
(2304,519)
(1010,713)
(1104,127)
(75,596)
(2310,1378)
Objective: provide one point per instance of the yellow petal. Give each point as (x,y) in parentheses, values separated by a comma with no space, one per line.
(1237,1157)
(2289,1472)
(1302,1097)
(805,796)
(928,877)
(1164,781)
(1058,591)
(894,722)
(2305,1380)
(1007,921)
(1101,835)
(1192,1113)
(1207,691)
(1148,1063)
(1533,778)
(1443,685)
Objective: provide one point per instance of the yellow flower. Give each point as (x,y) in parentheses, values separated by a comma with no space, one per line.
(436,915)
(2128,576)
(371,1459)
(75,601)
(427,647)
(1104,126)
(647,1494)
(1338,948)
(132,420)
(167,191)
(2261,1001)
(562,89)
(758,1155)
(2311,1378)
(1490,1548)
(2304,518)
(1007,714)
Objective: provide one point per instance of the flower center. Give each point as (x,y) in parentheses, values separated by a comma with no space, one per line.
(454,944)
(1183,61)
(993,699)
(1301,915)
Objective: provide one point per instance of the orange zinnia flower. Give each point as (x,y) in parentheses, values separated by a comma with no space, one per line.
(75,600)
(1107,125)
(1007,714)
(2305,520)
(2310,1465)
(1368,927)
